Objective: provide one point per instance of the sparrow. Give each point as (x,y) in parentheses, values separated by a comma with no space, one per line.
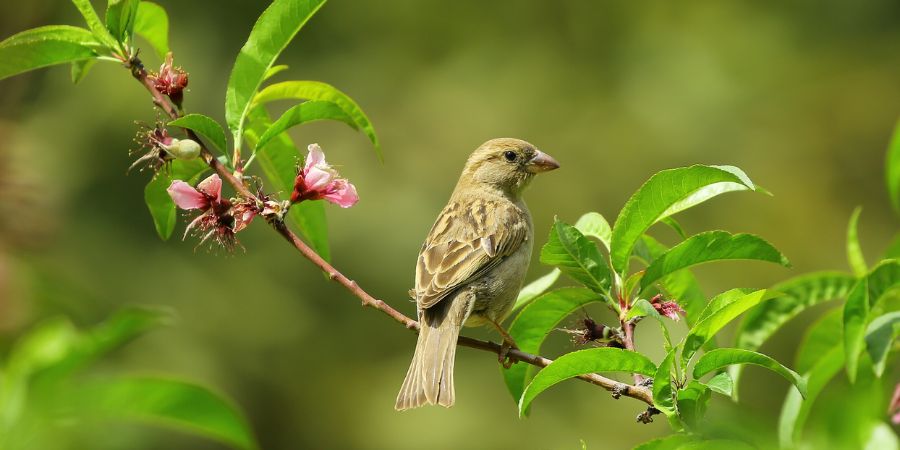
(471,267)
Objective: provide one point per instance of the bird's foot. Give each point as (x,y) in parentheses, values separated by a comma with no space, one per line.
(507,345)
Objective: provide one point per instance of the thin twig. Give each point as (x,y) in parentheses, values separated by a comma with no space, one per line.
(138,72)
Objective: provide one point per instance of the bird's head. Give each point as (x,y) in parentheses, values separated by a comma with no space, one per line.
(506,164)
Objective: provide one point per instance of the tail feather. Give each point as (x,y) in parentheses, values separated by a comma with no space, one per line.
(429,380)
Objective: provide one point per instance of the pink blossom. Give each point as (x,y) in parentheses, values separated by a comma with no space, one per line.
(207,193)
(667,308)
(170,80)
(318,180)
(894,407)
(217,219)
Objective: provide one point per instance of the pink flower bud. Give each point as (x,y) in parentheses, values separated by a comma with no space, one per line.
(318,180)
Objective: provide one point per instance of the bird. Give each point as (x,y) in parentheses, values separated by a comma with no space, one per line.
(472,264)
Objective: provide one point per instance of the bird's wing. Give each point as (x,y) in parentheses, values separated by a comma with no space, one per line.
(467,240)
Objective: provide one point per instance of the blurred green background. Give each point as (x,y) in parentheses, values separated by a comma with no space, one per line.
(802,95)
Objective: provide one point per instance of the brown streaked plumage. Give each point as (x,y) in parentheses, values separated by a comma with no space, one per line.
(472,264)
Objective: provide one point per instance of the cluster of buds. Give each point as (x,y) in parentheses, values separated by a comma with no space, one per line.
(159,148)
(170,80)
(667,308)
(220,218)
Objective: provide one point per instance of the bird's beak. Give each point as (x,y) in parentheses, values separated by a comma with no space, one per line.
(541,162)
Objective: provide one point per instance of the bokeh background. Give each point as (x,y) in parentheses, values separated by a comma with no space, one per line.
(801,95)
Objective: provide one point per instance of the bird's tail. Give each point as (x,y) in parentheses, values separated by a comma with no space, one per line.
(429,380)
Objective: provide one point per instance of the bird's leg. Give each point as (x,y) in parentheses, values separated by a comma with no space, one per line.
(508,343)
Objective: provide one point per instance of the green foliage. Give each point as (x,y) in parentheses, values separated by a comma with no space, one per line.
(37,384)
(158,201)
(204,126)
(860,302)
(97,27)
(719,312)
(178,404)
(892,169)
(321,92)
(667,193)
(723,357)
(272,32)
(537,287)
(576,256)
(535,322)
(152,24)
(584,362)
(45,46)
(711,246)
(854,251)
(121,16)
(303,113)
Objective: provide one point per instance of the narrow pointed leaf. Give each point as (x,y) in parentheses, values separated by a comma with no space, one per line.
(274,29)
(692,403)
(880,335)
(178,404)
(317,90)
(279,160)
(158,201)
(583,362)
(537,287)
(675,226)
(576,256)
(152,24)
(719,314)
(712,246)
(303,113)
(663,394)
(723,357)
(666,193)
(45,46)
(595,225)
(854,251)
(866,294)
(535,322)
(120,18)
(796,409)
(275,70)
(81,68)
(892,169)
(97,27)
(721,383)
(819,338)
(206,127)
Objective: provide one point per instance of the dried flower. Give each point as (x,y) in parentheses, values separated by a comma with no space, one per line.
(667,308)
(153,143)
(216,219)
(318,180)
(170,80)
(591,332)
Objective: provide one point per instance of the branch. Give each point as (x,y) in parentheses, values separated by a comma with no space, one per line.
(139,73)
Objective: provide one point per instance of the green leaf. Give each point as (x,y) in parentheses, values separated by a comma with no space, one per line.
(720,311)
(205,126)
(796,409)
(666,193)
(854,251)
(152,24)
(892,169)
(721,383)
(81,68)
(723,357)
(717,444)
(177,404)
(672,442)
(158,201)
(279,161)
(818,339)
(663,394)
(866,294)
(535,322)
(692,403)
(120,18)
(318,91)
(275,70)
(882,332)
(576,256)
(680,285)
(711,246)
(595,225)
(643,308)
(535,288)
(97,27)
(274,29)
(303,113)
(675,226)
(893,250)
(583,362)
(45,46)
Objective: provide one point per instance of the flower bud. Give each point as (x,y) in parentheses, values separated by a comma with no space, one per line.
(185,149)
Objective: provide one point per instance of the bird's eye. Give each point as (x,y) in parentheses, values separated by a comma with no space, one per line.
(509,155)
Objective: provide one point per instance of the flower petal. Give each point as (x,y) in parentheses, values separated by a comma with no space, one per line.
(212,187)
(186,197)
(315,157)
(342,193)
